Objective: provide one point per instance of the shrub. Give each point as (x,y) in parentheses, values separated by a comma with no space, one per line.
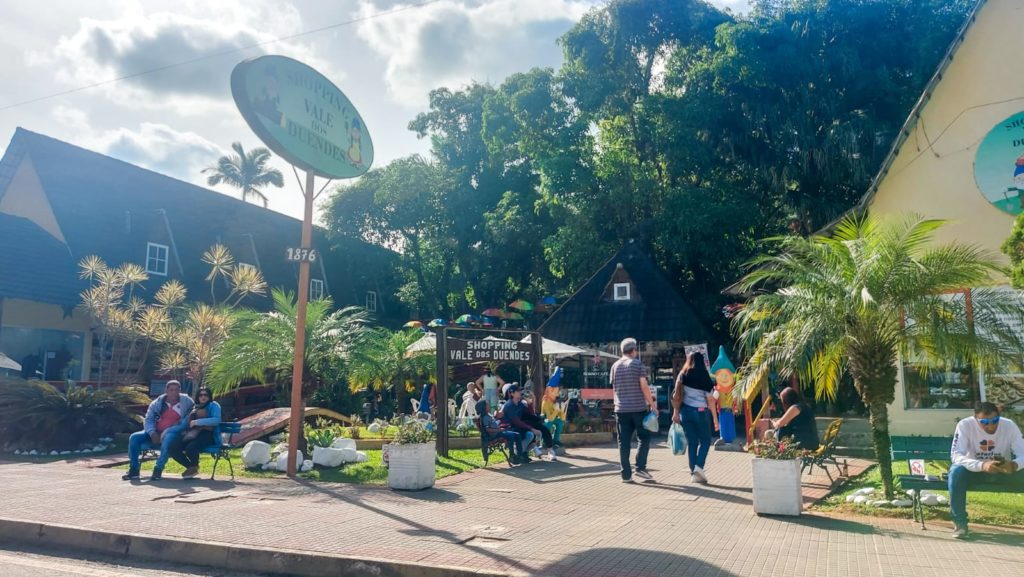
(412,432)
(783,449)
(35,414)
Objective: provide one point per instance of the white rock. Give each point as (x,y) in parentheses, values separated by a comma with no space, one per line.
(910,492)
(860,499)
(864,491)
(98,449)
(349,455)
(271,466)
(902,503)
(307,466)
(255,453)
(930,500)
(86,450)
(328,456)
(943,500)
(53,453)
(33,452)
(850,498)
(282,460)
(344,443)
(279,448)
(374,428)
(879,503)
(17,451)
(106,440)
(65,452)
(361,457)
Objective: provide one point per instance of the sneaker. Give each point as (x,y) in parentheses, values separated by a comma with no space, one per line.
(524,459)
(157,475)
(628,480)
(552,454)
(699,477)
(643,474)
(537,452)
(191,472)
(131,475)
(960,531)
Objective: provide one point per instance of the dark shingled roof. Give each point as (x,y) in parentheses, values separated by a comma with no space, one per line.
(656,311)
(113,209)
(36,266)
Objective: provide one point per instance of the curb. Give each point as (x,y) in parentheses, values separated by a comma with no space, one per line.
(217,555)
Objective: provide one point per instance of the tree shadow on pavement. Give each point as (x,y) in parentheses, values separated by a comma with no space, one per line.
(632,562)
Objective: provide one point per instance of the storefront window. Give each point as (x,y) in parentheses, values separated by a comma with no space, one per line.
(46,354)
(940,389)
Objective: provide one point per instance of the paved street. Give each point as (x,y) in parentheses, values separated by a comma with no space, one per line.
(31,562)
(569,518)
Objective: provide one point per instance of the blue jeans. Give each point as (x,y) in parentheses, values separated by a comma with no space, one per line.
(140,441)
(627,424)
(524,442)
(960,480)
(697,426)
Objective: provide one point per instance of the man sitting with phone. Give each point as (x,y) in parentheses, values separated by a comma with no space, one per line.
(984,446)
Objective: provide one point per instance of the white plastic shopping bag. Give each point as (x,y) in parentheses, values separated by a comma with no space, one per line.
(651,422)
(677,439)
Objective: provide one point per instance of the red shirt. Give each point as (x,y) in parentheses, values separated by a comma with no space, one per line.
(169,418)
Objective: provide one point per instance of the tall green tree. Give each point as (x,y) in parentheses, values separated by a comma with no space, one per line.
(246,171)
(865,297)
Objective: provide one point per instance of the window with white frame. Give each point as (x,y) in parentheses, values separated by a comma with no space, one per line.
(371,301)
(156,258)
(316,289)
(621,291)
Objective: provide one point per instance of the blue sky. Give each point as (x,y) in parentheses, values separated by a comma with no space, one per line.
(178,121)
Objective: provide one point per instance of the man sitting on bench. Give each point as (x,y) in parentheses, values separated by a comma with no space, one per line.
(984,446)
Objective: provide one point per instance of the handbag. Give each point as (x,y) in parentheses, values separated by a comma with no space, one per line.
(651,422)
(677,439)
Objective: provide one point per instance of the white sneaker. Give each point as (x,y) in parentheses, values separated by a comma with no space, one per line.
(643,474)
(552,454)
(699,477)
(537,452)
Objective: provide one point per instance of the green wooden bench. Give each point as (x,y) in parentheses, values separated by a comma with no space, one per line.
(938,449)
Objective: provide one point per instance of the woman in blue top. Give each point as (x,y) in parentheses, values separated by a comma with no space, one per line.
(693,407)
(202,431)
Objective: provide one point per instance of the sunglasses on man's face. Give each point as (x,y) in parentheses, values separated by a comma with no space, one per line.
(990,421)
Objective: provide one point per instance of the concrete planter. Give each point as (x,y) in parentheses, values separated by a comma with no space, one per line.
(777,487)
(410,467)
(569,440)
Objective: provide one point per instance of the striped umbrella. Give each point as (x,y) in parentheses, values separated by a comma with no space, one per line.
(514,316)
(521,305)
(494,313)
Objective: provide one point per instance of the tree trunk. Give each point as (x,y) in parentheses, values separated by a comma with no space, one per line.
(880,439)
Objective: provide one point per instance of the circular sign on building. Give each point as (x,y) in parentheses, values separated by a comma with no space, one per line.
(302,116)
(999,165)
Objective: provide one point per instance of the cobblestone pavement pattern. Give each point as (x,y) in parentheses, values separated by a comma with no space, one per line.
(569,518)
(32,562)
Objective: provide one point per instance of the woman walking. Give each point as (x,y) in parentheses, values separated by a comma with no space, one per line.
(202,431)
(692,406)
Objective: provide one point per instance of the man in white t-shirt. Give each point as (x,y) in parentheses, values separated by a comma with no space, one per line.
(986,448)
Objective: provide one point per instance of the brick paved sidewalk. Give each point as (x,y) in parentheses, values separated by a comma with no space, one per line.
(569,518)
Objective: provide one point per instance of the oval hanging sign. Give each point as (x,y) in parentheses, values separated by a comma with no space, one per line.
(302,116)
(999,165)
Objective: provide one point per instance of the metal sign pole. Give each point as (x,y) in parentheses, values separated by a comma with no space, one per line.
(441,393)
(295,423)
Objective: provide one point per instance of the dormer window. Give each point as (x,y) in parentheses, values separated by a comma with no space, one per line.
(156,258)
(621,291)
(316,289)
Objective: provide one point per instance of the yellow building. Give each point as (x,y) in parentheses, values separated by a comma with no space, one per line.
(960,156)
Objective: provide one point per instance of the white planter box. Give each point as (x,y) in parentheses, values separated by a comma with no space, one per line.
(777,487)
(411,467)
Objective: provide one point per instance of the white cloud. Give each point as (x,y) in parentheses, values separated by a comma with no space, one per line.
(160,148)
(209,38)
(451,43)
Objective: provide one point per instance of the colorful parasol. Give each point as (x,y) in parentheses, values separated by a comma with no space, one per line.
(437,323)
(413,325)
(548,301)
(514,316)
(465,320)
(494,313)
(521,305)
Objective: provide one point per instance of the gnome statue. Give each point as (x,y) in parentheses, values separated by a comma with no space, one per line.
(724,374)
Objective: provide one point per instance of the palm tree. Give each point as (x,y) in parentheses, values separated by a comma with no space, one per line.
(379,362)
(265,342)
(866,296)
(247,171)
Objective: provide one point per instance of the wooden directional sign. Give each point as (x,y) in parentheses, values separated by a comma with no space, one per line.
(499,351)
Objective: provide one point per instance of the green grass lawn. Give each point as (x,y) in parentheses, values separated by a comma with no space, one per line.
(985,508)
(372,472)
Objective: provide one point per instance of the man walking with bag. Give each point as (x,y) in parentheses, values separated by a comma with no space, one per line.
(633,400)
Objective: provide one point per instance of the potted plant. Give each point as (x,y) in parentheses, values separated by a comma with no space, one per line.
(776,477)
(410,457)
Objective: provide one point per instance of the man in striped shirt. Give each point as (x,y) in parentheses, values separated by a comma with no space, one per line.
(633,400)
